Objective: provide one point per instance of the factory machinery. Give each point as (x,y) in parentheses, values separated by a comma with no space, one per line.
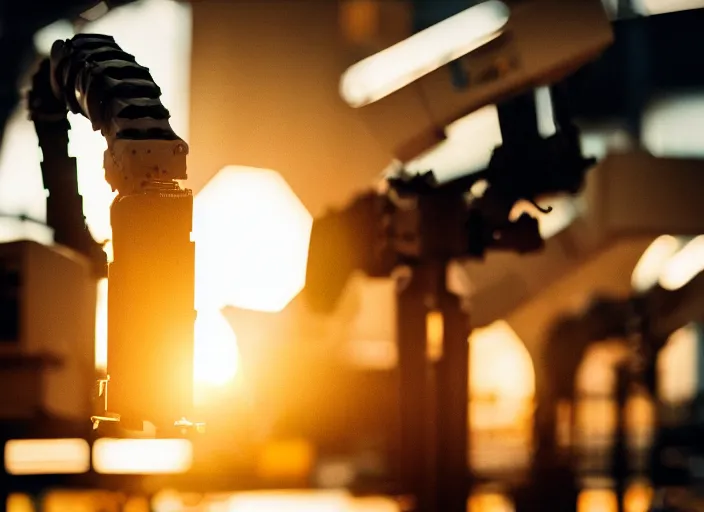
(413,231)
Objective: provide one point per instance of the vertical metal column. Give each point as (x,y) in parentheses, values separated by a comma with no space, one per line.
(619,466)
(452,427)
(434,395)
(416,465)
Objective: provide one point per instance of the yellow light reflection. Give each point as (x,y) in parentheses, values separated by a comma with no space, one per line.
(251,234)
(286,459)
(434,335)
(81,501)
(638,498)
(101,325)
(500,367)
(654,259)
(597,500)
(684,265)
(489,502)
(47,456)
(17,502)
(142,456)
(290,501)
(677,366)
(216,355)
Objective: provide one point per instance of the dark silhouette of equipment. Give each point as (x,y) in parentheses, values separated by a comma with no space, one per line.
(422,225)
(151,280)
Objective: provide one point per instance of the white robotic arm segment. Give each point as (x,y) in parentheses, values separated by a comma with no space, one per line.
(542,42)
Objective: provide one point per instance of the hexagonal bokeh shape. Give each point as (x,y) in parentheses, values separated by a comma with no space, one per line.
(252,234)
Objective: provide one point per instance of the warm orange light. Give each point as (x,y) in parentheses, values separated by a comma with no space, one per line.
(638,498)
(290,501)
(80,501)
(677,366)
(500,367)
(216,355)
(142,456)
(489,502)
(17,502)
(434,335)
(251,234)
(597,500)
(47,456)
(286,459)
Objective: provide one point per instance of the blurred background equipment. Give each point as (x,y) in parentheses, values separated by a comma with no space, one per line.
(306,398)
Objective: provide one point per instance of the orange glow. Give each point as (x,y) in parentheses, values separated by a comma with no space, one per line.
(290,501)
(47,456)
(434,334)
(677,366)
(19,503)
(80,501)
(359,19)
(274,501)
(251,234)
(489,502)
(501,367)
(597,500)
(216,358)
(142,456)
(286,459)
(638,498)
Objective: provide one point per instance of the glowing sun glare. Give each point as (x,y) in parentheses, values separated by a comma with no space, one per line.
(216,356)
(251,234)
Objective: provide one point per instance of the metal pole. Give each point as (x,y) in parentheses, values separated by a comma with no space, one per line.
(412,364)
(452,398)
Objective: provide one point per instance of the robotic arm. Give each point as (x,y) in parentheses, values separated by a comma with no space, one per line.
(151,281)
(92,76)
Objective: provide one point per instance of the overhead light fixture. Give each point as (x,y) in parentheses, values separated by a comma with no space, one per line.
(47,456)
(651,7)
(399,65)
(652,263)
(684,265)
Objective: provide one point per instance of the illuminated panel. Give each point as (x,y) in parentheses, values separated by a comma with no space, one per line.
(397,66)
(47,456)
(684,265)
(251,234)
(651,264)
(142,456)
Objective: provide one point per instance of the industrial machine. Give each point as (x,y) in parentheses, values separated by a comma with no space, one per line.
(419,225)
(412,230)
